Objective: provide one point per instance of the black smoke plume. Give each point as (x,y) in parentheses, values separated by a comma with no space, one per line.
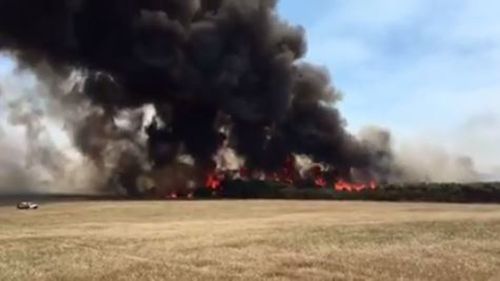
(207,66)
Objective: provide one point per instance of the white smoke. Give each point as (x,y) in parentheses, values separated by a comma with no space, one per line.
(419,161)
(37,119)
(431,163)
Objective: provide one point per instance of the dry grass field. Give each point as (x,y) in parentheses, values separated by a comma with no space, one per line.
(250,240)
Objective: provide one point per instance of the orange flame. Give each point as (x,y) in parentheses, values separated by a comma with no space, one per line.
(345,186)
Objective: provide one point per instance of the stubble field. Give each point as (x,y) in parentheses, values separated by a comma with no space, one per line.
(250,240)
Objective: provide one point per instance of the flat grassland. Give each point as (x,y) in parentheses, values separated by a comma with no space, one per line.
(250,240)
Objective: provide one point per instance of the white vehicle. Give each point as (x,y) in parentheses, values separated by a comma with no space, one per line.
(27,206)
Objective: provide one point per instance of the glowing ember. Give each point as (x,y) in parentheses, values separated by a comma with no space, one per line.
(320,182)
(213,181)
(273,177)
(244,173)
(288,171)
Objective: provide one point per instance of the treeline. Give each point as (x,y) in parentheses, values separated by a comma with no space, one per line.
(418,192)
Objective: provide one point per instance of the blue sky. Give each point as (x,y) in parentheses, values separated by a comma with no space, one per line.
(425,69)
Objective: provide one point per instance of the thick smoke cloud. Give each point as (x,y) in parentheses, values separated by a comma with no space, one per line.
(219,73)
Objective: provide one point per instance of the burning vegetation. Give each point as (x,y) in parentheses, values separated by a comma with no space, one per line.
(223,82)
